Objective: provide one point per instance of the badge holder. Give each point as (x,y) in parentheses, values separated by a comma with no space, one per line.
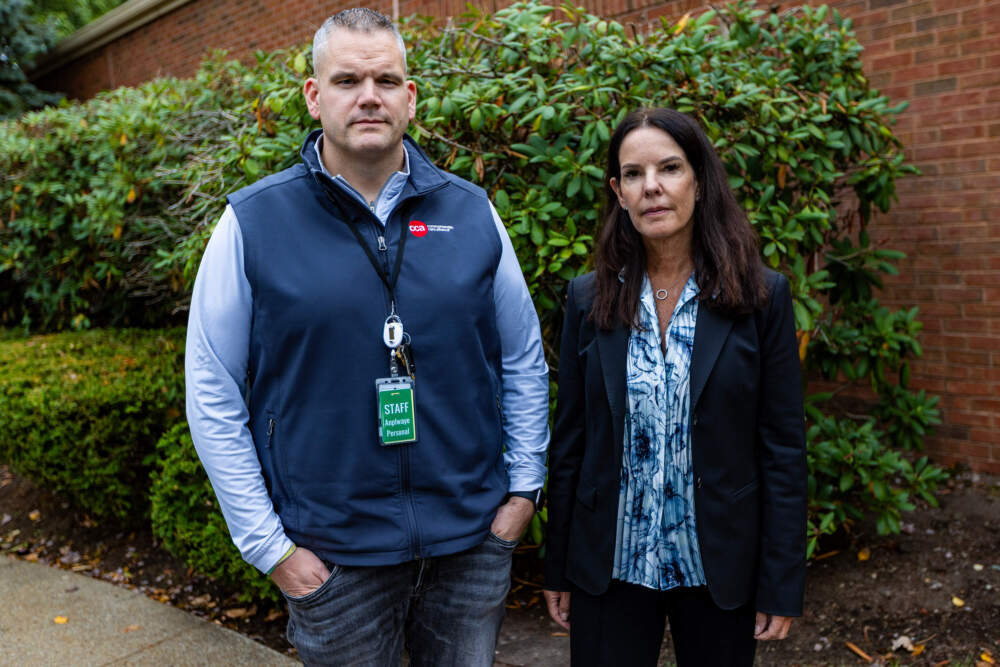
(397,419)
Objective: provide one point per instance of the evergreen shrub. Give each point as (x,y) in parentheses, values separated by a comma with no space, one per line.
(83,411)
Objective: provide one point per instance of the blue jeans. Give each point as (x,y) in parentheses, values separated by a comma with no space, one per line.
(444,611)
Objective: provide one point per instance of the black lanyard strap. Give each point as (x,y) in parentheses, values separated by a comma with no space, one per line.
(388,280)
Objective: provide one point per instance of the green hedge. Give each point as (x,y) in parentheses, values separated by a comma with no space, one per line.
(82,413)
(91,202)
(186,518)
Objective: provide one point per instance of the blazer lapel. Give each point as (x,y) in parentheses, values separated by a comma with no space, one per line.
(613,347)
(710,333)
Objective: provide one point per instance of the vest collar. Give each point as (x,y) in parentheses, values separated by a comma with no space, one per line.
(424,176)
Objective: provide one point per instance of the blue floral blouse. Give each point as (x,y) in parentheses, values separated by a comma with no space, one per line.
(656,545)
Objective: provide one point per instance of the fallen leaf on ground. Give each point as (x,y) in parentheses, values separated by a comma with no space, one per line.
(31,558)
(274,615)
(237,612)
(5,519)
(957,601)
(902,642)
(61,620)
(987,658)
(131,628)
(34,515)
(560,634)
(918,649)
(864,554)
(977,567)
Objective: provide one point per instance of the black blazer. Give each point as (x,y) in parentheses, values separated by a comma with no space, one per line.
(747,447)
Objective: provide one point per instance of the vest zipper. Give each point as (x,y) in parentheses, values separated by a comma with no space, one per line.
(404,452)
(279,485)
(411,517)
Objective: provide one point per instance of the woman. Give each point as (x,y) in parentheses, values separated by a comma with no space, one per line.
(677,478)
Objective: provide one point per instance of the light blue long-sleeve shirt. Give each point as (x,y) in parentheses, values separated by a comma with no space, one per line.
(218,342)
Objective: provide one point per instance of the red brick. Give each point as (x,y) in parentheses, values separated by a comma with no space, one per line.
(936,53)
(948,5)
(981,80)
(912,10)
(936,22)
(879,47)
(980,113)
(961,166)
(991,343)
(986,435)
(979,148)
(969,326)
(960,294)
(979,15)
(962,262)
(956,35)
(978,46)
(939,309)
(894,61)
(962,132)
(963,100)
(954,356)
(974,450)
(934,153)
(960,66)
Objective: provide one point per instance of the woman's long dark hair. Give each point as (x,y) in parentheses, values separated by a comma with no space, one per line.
(724,246)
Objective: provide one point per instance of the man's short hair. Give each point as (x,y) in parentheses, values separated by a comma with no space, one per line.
(357,18)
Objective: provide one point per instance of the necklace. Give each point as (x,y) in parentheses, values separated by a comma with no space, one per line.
(662,294)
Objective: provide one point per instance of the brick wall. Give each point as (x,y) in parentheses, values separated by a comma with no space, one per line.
(942,56)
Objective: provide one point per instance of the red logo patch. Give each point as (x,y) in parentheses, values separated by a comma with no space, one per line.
(418,228)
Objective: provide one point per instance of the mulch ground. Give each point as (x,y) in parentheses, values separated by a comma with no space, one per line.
(929,596)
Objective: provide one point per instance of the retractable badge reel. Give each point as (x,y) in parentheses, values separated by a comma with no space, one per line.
(397,420)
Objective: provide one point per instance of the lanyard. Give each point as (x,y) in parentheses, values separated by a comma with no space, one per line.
(392,334)
(388,280)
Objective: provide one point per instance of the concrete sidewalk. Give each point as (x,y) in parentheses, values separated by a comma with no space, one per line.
(106,625)
(109,625)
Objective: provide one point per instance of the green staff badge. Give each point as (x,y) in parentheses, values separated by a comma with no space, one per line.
(397,419)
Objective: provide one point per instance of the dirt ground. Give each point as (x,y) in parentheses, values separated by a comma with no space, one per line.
(930,596)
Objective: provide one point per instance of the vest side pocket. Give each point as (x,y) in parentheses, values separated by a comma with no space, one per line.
(280,497)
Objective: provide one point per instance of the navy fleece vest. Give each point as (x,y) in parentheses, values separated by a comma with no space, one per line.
(316,349)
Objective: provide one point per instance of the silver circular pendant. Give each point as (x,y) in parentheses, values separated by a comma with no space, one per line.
(661,294)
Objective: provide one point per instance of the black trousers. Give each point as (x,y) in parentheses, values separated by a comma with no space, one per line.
(625,625)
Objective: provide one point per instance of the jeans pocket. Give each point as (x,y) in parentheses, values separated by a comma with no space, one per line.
(507,544)
(314,594)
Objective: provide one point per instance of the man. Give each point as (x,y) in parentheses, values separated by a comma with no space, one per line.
(366,383)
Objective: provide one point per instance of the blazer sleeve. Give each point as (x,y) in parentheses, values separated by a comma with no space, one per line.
(784,472)
(566,448)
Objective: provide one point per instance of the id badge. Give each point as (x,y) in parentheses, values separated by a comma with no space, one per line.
(397,419)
